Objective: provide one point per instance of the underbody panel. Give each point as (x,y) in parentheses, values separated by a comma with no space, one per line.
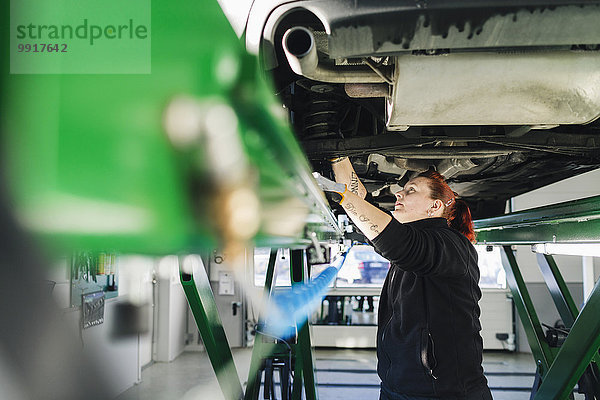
(501,97)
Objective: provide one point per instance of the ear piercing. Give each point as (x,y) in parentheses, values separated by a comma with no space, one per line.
(430,211)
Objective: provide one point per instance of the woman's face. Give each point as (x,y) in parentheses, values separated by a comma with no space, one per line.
(413,201)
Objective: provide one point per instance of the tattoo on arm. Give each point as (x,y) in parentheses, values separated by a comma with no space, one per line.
(354,183)
(362,218)
(350,208)
(372,226)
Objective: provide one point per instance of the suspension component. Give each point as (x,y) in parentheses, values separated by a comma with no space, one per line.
(322,118)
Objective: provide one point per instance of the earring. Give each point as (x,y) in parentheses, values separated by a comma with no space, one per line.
(430,213)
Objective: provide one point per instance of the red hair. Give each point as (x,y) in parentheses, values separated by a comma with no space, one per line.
(456,211)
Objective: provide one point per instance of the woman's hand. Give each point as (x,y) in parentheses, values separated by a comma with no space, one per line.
(369,219)
(327,185)
(344,173)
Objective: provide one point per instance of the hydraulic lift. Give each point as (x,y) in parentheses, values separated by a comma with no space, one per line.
(568,355)
(564,356)
(270,353)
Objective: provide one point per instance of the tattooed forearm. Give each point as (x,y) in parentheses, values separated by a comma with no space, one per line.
(372,226)
(350,208)
(354,183)
(370,220)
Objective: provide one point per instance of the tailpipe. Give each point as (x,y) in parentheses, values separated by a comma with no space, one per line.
(301,52)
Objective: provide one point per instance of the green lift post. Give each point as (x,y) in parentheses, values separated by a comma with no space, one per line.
(576,360)
(300,352)
(202,304)
(261,344)
(304,372)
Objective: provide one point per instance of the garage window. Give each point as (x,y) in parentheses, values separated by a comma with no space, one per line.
(365,268)
(282,266)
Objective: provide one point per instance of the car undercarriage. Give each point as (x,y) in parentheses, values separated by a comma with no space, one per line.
(501,97)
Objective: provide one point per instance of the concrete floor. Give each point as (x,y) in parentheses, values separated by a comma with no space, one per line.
(190,376)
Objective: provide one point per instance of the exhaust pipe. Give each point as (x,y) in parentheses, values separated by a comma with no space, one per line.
(301,53)
(367,90)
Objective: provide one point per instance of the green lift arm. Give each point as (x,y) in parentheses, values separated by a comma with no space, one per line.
(569,222)
(197,290)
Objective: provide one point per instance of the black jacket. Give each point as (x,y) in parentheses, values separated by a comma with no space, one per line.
(428,340)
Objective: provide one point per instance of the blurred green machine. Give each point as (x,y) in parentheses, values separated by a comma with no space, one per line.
(194,155)
(146,163)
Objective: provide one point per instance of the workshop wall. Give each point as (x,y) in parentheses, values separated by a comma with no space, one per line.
(121,359)
(140,286)
(172,309)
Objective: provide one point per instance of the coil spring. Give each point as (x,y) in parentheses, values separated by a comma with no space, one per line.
(322,119)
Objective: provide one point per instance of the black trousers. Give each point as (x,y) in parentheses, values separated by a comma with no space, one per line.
(479,394)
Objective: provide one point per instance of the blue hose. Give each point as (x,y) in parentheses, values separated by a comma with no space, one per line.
(291,308)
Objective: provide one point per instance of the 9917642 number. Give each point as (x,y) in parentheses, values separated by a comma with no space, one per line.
(42,48)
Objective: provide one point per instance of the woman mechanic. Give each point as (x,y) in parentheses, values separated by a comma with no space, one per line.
(428,341)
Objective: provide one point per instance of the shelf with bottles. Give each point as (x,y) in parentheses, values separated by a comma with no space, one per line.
(93,272)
